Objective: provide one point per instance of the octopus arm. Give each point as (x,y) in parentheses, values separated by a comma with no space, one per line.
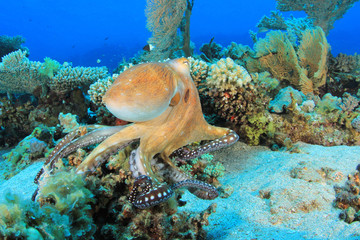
(111,145)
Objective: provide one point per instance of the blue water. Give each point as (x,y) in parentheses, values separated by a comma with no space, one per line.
(110,30)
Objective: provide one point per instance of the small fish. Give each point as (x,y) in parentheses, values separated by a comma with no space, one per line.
(98,61)
(148,47)
(106,38)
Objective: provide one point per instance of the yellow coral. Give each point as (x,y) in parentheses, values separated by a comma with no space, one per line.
(305,68)
(312,54)
(277,56)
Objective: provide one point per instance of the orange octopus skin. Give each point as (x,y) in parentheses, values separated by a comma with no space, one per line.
(162,101)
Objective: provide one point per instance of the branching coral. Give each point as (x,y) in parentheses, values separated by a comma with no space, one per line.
(226,74)
(18,74)
(67,78)
(323,12)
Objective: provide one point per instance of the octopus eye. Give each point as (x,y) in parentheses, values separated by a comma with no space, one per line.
(186,62)
(186,97)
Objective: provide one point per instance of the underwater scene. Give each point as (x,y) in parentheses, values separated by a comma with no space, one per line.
(179,119)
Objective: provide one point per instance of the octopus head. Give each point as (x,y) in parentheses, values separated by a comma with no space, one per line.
(145,91)
(181,66)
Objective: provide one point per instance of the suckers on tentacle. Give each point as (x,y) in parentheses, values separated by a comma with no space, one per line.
(151,196)
(214,145)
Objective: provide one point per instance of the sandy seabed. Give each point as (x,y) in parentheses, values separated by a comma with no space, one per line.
(276,195)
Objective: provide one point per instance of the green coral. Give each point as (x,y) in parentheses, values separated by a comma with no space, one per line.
(217,170)
(49,67)
(258,125)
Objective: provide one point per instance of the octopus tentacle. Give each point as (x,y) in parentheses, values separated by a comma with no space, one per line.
(230,138)
(116,141)
(81,137)
(200,189)
(151,196)
(93,137)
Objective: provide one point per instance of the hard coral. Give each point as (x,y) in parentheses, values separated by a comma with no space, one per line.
(225,74)
(68,77)
(18,74)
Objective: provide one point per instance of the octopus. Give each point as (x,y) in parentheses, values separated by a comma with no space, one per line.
(162,105)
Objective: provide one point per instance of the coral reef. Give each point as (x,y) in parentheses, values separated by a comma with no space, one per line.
(102,200)
(323,13)
(20,75)
(28,150)
(10,44)
(163,20)
(305,67)
(347,198)
(63,213)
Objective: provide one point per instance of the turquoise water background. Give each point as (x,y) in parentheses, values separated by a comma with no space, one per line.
(84,31)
